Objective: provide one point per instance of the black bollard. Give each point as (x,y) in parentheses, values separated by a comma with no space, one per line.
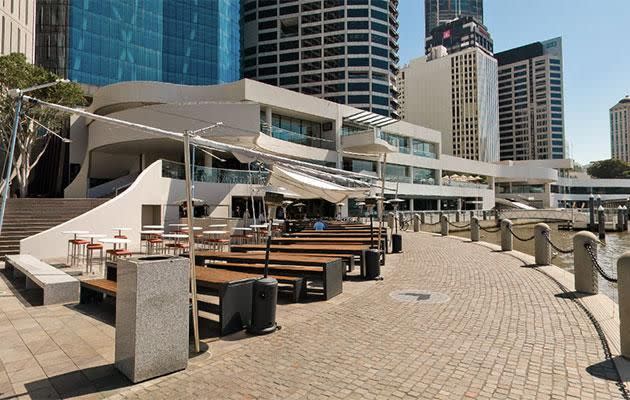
(591,212)
(601,222)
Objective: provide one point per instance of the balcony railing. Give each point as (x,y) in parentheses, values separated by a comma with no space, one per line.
(174,170)
(296,137)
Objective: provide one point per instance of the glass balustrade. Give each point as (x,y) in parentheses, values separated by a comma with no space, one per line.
(174,170)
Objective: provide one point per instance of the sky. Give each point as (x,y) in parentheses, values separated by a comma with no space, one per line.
(596,45)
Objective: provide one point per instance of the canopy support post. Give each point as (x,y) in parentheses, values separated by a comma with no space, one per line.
(191,239)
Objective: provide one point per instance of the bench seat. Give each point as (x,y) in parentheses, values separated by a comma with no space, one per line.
(58,287)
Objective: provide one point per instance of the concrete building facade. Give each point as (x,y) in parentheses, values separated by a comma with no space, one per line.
(620,130)
(455,94)
(531,102)
(17,28)
(345,51)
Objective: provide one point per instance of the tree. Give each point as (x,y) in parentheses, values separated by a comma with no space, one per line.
(32,140)
(609,169)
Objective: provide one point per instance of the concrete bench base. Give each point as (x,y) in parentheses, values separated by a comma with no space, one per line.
(58,287)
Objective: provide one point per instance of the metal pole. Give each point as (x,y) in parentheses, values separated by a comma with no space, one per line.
(268,248)
(191,239)
(7,177)
(380,203)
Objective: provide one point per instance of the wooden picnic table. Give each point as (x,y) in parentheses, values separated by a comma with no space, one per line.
(329,240)
(331,269)
(358,250)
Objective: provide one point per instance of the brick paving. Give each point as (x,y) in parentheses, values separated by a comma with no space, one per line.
(504,333)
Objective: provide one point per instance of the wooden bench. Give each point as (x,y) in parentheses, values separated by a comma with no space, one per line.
(328,240)
(58,287)
(328,270)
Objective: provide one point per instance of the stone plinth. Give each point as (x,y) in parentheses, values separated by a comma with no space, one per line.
(152,315)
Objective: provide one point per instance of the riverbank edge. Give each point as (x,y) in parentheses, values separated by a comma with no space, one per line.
(603,309)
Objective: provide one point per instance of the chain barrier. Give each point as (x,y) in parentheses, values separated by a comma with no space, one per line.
(520,238)
(433,224)
(489,230)
(458,226)
(591,253)
(553,245)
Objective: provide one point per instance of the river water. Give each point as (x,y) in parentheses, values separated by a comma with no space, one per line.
(616,245)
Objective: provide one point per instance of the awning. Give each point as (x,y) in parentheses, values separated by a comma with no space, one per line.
(309,187)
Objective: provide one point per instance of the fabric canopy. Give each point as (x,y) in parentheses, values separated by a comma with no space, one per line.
(308,187)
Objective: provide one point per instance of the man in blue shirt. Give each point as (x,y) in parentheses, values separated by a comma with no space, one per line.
(319,225)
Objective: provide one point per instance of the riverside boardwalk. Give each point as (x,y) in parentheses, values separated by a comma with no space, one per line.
(451,319)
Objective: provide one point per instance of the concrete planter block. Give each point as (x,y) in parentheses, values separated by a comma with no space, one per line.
(152,315)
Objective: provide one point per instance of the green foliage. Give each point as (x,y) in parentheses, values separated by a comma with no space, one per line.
(16,72)
(609,169)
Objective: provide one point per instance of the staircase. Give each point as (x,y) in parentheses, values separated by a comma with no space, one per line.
(27,217)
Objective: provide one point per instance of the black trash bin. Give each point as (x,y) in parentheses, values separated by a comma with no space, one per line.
(396,243)
(372,263)
(264,303)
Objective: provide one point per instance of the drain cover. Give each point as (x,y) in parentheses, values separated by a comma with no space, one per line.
(419,296)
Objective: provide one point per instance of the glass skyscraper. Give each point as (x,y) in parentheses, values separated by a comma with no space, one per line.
(439,12)
(194,42)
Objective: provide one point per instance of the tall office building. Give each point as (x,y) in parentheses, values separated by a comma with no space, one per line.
(109,41)
(460,34)
(17,28)
(341,50)
(455,94)
(439,12)
(620,130)
(531,105)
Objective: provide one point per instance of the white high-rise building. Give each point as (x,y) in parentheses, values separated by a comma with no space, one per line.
(620,130)
(455,94)
(531,105)
(17,28)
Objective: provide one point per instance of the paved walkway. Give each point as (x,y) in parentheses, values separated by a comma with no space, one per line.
(505,331)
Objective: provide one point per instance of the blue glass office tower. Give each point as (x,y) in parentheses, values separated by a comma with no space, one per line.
(194,42)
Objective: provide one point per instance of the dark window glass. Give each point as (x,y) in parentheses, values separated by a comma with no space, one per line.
(334,88)
(249,63)
(379,27)
(272,12)
(293,44)
(357,2)
(249,51)
(358,37)
(289,56)
(334,51)
(333,3)
(268,59)
(379,51)
(381,3)
(268,24)
(311,54)
(289,80)
(358,62)
(356,25)
(334,27)
(270,81)
(316,5)
(310,42)
(358,13)
(379,15)
(266,3)
(333,39)
(338,63)
(380,39)
(377,87)
(358,87)
(311,18)
(360,99)
(285,69)
(337,14)
(267,71)
(358,50)
(384,101)
(312,90)
(249,17)
(312,30)
(289,27)
(289,10)
(334,76)
(310,66)
(380,64)
(311,78)
(263,48)
(267,36)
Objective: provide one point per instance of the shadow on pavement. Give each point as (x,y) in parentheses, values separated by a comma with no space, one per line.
(604,370)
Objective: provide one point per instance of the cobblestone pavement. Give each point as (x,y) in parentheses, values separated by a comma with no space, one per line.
(505,332)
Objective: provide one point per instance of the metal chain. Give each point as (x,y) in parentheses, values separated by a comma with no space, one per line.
(591,253)
(436,223)
(520,238)
(458,226)
(556,248)
(489,230)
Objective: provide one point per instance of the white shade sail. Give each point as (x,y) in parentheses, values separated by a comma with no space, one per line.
(309,187)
